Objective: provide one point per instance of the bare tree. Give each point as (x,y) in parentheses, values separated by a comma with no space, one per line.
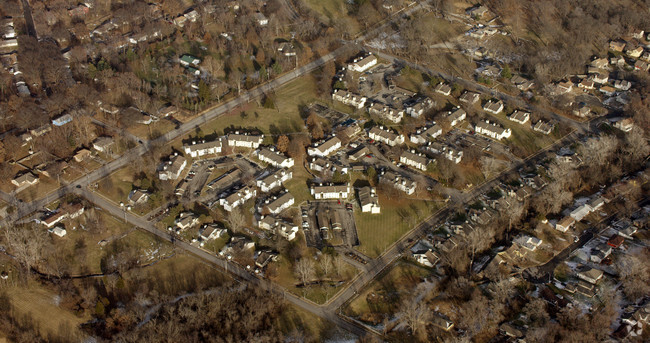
(27,244)
(236,220)
(490,166)
(338,264)
(477,241)
(305,270)
(325,263)
(414,314)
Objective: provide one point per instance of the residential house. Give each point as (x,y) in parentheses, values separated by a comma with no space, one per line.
(398,181)
(600,253)
(477,11)
(492,130)
(226,179)
(386,112)
(494,107)
(442,322)
(75,210)
(287,49)
(414,160)
(325,148)
(211,231)
(591,275)
(186,220)
(422,135)
(263,258)
(521,83)
(520,117)
(564,87)
(625,125)
(543,127)
(362,64)
(600,63)
(274,180)
(447,151)
(380,134)
(277,204)
(456,116)
(173,168)
(633,51)
(138,196)
(237,244)
(617,45)
(368,200)
(274,158)
(596,203)
(615,241)
(641,65)
(600,78)
(582,111)
(189,61)
(192,16)
(617,61)
(528,242)
(203,148)
(586,84)
(564,224)
(330,191)
(320,164)
(358,153)
(350,99)
(443,89)
(25,179)
(103,144)
(41,130)
(623,85)
(59,231)
(423,254)
(245,140)
(237,198)
(261,19)
(54,218)
(286,230)
(81,155)
(62,120)
(470,98)
(580,212)
(608,90)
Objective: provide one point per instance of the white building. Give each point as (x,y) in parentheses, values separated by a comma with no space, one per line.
(368,200)
(203,148)
(350,99)
(494,107)
(456,116)
(274,180)
(274,158)
(380,134)
(173,168)
(414,160)
(237,198)
(418,108)
(362,64)
(386,112)
(330,191)
(326,148)
(492,130)
(211,231)
(520,117)
(245,140)
(277,204)
(422,135)
(401,183)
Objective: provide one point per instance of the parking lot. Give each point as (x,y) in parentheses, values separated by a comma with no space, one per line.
(332,221)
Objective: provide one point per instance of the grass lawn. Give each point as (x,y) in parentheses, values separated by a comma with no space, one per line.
(524,141)
(153,130)
(117,187)
(398,216)
(284,118)
(39,304)
(297,186)
(44,186)
(383,295)
(335,9)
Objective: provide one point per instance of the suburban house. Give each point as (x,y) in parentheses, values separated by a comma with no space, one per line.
(81,155)
(358,153)
(596,203)
(520,117)
(368,200)
(320,164)
(263,258)
(601,252)
(564,87)
(380,134)
(261,19)
(423,254)
(245,140)
(456,116)
(608,90)
(386,112)
(528,242)
(543,127)
(398,181)
(615,241)
(414,160)
(287,49)
(417,108)
(600,78)
(41,130)
(477,11)
(325,148)
(277,204)
(186,220)
(173,168)
(492,130)
(494,107)
(423,134)
(600,63)
(138,196)
(580,212)
(203,148)
(273,180)
(617,45)
(623,85)
(625,125)
(237,198)
(634,51)
(564,224)
(211,231)
(54,218)
(189,60)
(362,64)
(591,275)
(443,89)
(103,144)
(586,84)
(447,151)
(59,231)
(237,243)
(330,191)
(442,321)
(350,99)
(522,83)
(25,179)
(470,98)
(274,158)
(225,180)
(641,65)
(286,230)
(62,120)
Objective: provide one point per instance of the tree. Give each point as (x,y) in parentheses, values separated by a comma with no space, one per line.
(236,220)
(338,264)
(27,244)
(490,166)
(477,241)
(305,270)
(283,144)
(414,314)
(325,263)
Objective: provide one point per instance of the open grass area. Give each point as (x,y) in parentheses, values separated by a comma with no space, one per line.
(44,186)
(118,185)
(524,141)
(378,231)
(40,305)
(297,186)
(153,130)
(284,118)
(335,9)
(382,297)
